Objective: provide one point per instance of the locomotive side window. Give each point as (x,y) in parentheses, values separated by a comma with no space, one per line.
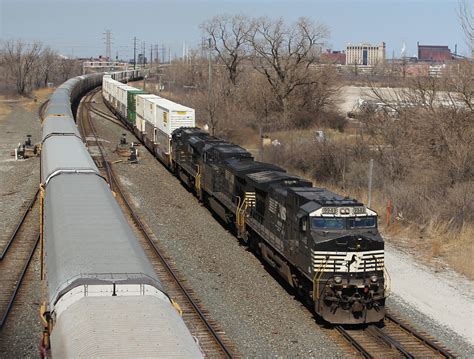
(361,222)
(327,223)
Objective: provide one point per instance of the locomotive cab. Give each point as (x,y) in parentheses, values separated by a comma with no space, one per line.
(343,256)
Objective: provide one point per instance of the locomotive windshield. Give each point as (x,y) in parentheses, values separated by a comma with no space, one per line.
(327,223)
(361,222)
(343,223)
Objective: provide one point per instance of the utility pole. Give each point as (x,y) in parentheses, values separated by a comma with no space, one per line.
(209,87)
(134,52)
(151,54)
(108,44)
(371,167)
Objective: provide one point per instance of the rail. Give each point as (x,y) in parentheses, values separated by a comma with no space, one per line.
(353,342)
(426,341)
(18,226)
(392,339)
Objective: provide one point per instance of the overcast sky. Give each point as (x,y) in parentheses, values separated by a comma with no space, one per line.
(75,27)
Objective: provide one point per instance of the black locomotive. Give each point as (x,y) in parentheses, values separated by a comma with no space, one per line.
(324,245)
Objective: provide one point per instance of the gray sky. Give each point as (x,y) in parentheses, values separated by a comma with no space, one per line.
(76,26)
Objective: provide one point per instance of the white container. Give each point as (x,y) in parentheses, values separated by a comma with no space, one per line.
(140,123)
(143,105)
(122,93)
(169,116)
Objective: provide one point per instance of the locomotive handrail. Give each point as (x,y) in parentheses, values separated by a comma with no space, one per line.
(198,179)
(317,278)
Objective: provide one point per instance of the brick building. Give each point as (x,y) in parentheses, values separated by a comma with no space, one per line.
(333,57)
(434,53)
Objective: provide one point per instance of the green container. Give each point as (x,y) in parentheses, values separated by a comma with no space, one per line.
(132,104)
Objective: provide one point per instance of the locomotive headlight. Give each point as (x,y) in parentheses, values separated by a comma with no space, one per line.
(344,211)
(374,278)
(337,279)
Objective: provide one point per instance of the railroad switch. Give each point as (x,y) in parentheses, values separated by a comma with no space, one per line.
(26,150)
(133,158)
(123,146)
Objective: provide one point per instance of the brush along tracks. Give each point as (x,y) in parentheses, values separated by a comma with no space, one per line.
(42,110)
(394,339)
(209,335)
(16,256)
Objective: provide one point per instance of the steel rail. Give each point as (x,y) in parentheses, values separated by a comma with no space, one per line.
(354,342)
(379,333)
(18,284)
(156,250)
(18,226)
(108,117)
(429,343)
(85,114)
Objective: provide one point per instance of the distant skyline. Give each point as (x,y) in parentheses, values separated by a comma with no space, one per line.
(75,28)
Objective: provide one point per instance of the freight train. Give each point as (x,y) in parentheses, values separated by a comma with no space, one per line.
(325,245)
(103,298)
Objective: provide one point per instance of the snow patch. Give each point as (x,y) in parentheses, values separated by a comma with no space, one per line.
(446,297)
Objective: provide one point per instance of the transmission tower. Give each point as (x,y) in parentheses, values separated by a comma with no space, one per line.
(108,44)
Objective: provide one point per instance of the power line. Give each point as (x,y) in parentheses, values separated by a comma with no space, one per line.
(108,44)
(134,52)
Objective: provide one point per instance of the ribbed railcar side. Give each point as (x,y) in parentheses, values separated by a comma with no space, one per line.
(104,297)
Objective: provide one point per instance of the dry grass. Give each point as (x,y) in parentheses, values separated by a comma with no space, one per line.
(5,108)
(40,95)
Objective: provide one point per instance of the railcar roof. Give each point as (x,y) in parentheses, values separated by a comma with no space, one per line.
(241,166)
(153,329)
(87,237)
(65,153)
(324,196)
(56,125)
(266,179)
(227,148)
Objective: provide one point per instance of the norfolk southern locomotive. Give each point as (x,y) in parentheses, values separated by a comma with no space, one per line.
(324,245)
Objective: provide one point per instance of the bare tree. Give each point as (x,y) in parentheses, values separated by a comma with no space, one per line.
(66,68)
(20,59)
(229,35)
(213,100)
(467,22)
(44,67)
(283,54)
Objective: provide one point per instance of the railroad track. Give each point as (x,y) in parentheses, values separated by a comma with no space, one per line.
(16,256)
(211,338)
(394,339)
(107,117)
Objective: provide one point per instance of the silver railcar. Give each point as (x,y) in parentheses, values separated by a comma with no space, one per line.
(104,298)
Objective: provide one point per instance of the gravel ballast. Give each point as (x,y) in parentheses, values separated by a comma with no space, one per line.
(258,315)
(19,181)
